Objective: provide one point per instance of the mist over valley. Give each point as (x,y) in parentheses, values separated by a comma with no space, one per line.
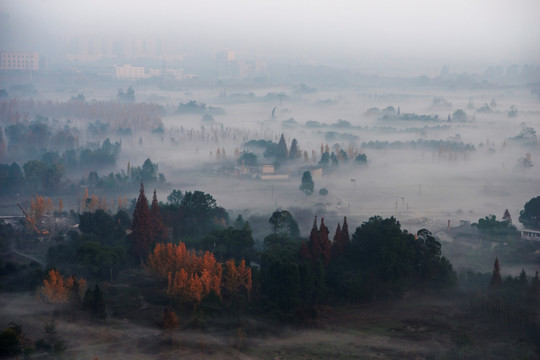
(191,181)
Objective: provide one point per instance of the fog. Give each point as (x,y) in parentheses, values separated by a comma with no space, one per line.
(390,37)
(423,111)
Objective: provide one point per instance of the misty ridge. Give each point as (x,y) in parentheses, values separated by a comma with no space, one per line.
(264,193)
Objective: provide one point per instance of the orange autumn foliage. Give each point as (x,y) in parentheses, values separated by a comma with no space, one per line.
(190,276)
(59,289)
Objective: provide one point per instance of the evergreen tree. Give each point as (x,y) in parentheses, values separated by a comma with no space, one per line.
(160,230)
(293,154)
(325,244)
(314,244)
(345,232)
(337,243)
(496,280)
(142,228)
(282,152)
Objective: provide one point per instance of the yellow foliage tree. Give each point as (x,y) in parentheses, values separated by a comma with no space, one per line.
(57,289)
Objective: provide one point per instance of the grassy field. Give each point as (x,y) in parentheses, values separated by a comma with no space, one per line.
(418,327)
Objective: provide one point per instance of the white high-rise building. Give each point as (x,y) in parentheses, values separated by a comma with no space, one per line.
(19,61)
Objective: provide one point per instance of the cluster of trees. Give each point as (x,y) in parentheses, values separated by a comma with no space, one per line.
(514,301)
(280,153)
(25,141)
(191,276)
(100,251)
(128,95)
(433,145)
(390,113)
(118,114)
(381,261)
(131,178)
(47,175)
(59,289)
(192,107)
(497,231)
(147,226)
(192,214)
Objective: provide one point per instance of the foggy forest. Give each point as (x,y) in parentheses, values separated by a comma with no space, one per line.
(269,180)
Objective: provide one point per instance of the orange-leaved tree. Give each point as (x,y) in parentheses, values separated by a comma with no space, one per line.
(59,289)
(190,276)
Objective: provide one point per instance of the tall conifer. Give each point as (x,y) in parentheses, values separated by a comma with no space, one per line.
(324,241)
(314,244)
(160,230)
(142,227)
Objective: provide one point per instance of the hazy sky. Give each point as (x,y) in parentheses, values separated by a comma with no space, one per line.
(361,34)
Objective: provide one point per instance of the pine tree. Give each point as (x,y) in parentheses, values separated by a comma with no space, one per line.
(142,228)
(160,230)
(282,148)
(496,280)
